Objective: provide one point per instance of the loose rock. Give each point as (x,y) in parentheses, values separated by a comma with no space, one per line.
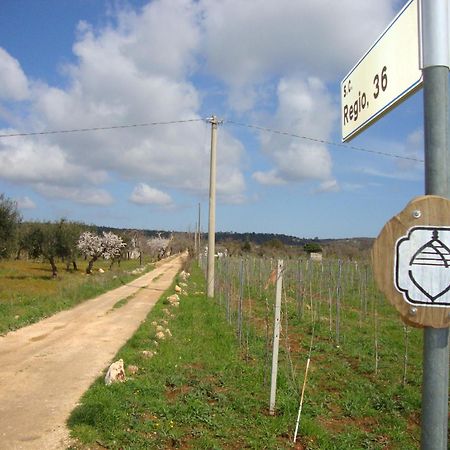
(115,373)
(173,298)
(132,370)
(184,275)
(160,335)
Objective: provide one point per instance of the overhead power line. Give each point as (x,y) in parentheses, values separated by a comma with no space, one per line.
(232,122)
(323,141)
(114,127)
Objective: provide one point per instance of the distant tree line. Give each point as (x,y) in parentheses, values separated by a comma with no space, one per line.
(67,241)
(260,238)
(60,240)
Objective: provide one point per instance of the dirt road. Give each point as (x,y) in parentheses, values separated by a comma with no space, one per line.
(46,367)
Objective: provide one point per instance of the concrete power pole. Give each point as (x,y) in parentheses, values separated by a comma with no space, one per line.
(197,239)
(435,84)
(212,209)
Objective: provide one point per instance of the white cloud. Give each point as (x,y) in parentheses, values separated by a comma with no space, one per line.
(414,149)
(328,186)
(145,66)
(136,71)
(171,29)
(24,159)
(356,186)
(143,194)
(306,109)
(407,166)
(48,169)
(250,42)
(269,178)
(388,173)
(13,82)
(83,195)
(25,203)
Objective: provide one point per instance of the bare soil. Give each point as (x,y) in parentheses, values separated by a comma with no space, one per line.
(46,367)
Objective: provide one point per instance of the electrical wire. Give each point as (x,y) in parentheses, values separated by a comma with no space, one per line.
(232,122)
(323,141)
(114,127)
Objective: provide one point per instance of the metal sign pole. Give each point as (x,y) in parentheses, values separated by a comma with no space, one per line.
(435,84)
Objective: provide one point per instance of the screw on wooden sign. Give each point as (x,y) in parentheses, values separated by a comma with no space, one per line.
(411,262)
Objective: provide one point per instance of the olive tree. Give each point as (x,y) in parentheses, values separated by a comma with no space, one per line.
(43,240)
(10,219)
(68,235)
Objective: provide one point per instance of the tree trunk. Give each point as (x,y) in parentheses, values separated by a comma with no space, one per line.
(54,268)
(90,265)
(75,267)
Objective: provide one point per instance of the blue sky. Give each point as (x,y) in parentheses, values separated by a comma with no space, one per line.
(68,64)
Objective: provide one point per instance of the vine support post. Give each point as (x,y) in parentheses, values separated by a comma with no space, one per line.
(276,337)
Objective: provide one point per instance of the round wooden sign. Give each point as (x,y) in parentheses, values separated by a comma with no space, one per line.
(411,262)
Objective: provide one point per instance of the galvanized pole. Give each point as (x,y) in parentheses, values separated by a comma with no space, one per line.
(212,209)
(241,300)
(435,85)
(276,338)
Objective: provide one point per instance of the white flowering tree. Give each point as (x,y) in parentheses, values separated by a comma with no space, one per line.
(113,246)
(158,245)
(93,246)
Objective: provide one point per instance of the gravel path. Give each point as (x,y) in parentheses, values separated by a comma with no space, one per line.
(46,367)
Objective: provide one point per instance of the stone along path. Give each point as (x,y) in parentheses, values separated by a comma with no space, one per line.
(46,367)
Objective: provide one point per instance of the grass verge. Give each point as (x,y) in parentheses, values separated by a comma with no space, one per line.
(196,392)
(198,389)
(28,293)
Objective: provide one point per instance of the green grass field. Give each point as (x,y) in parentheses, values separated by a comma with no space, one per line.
(204,390)
(28,292)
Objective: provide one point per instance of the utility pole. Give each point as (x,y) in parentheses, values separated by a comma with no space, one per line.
(195,240)
(199,240)
(435,84)
(212,208)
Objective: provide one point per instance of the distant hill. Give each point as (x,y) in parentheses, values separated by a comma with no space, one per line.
(263,238)
(341,248)
(260,238)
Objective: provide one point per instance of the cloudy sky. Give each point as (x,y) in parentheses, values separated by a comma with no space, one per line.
(274,64)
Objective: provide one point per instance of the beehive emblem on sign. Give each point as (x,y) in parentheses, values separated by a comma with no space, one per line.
(422,266)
